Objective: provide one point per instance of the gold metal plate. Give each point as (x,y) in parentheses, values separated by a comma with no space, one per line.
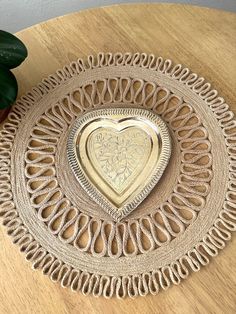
(118,155)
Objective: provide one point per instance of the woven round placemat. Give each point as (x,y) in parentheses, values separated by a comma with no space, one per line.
(184,221)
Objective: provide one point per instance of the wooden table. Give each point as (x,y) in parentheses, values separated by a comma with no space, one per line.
(201,38)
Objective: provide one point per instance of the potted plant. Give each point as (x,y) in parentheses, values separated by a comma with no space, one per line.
(12,53)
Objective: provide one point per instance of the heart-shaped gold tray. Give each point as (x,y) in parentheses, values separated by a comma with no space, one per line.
(118,155)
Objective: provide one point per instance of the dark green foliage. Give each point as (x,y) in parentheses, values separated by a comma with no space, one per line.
(12,53)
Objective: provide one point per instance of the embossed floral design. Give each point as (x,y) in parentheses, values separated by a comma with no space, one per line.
(121,155)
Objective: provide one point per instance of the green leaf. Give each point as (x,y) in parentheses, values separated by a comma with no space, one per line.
(12,51)
(8,87)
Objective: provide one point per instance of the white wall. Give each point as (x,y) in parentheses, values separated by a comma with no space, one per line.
(18,14)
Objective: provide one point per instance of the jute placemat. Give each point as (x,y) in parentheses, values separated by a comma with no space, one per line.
(179,227)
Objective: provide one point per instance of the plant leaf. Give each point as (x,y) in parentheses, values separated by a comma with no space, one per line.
(12,51)
(8,87)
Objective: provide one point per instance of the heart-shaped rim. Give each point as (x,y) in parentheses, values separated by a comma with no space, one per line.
(88,177)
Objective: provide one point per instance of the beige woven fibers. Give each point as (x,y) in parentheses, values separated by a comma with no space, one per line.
(180,226)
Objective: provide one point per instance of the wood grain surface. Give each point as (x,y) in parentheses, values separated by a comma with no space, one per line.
(200,38)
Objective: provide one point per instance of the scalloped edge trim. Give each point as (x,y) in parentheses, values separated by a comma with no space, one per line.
(133,285)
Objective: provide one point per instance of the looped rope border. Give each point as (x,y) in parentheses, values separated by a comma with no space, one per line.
(132,285)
